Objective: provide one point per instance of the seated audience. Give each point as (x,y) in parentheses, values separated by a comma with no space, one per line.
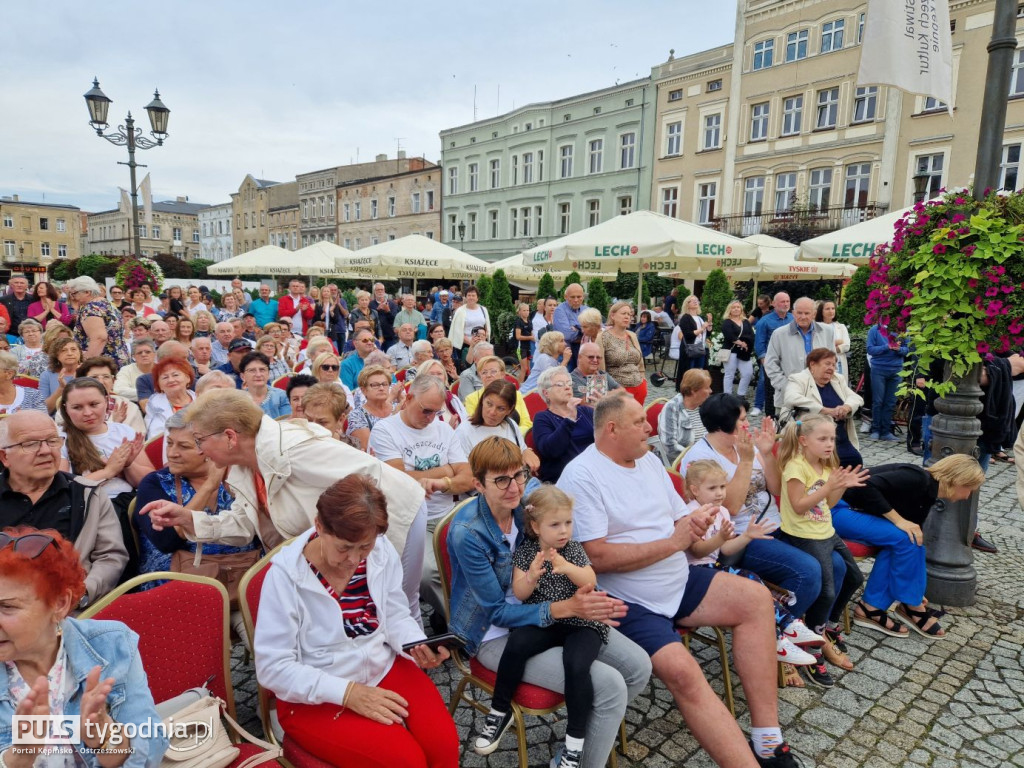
(104,370)
(31,341)
(645,333)
(492,369)
(622,354)
(65,357)
(380,400)
(144,356)
(400,352)
(421,352)
(564,429)
(364,344)
(454,412)
(34,490)
(255,369)
(173,380)
(317,347)
(12,396)
(56,665)
(347,692)
(638,552)
(237,350)
(679,424)
(492,417)
(590,382)
(443,351)
(469,379)
(297,386)
(326,406)
(214,380)
(166,351)
(278,365)
(38,364)
(551,351)
(202,355)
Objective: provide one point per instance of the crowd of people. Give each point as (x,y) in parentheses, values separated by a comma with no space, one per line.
(348,434)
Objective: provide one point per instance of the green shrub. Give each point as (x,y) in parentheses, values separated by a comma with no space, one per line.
(501,294)
(546,287)
(717,294)
(572,277)
(483,287)
(501,329)
(853,308)
(597,296)
(198,267)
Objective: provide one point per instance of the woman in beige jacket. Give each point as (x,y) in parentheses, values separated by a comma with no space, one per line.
(819,389)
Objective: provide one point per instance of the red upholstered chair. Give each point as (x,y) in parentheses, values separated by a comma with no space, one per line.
(534,404)
(528,699)
(184,638)
(298,367)
(455,387)
(26,381)
(400,375)
(155,451)
(528,439)
(652,412)
(679,483)
(512,380)
(281,382)
(249,589)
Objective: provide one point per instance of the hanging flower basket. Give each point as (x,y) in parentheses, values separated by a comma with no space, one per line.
(133,273)
(953,281)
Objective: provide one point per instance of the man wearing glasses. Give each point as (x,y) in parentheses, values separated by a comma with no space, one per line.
(35,493)
(589,382)
(416,442)
(364,343)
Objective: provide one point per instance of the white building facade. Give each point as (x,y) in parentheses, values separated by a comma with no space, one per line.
(215,232)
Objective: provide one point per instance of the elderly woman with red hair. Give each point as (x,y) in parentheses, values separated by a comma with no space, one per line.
(51,664)
(173,380)
(333,624)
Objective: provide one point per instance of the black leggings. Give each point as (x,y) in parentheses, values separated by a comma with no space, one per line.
(580,646)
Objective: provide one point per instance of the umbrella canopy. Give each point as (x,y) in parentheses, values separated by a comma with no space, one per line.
(324,251)
(413,256)
(271,260)
(643,241)
(776,262)
(518,272)
(852,245)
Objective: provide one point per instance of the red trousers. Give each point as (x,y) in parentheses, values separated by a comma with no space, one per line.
(639,392)
(427,740)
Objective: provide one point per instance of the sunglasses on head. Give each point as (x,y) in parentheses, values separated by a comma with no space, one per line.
(31,545)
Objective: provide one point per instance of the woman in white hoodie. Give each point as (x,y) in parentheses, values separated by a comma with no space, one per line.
(333,620)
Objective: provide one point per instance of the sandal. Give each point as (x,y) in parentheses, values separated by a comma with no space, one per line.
(1003,456)
(918,620)
(791,678)
(834,656)
(878,620)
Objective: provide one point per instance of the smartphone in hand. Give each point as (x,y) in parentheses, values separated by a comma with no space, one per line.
(448,640)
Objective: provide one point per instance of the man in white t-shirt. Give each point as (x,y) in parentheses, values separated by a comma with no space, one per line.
(635,529)
(415,442)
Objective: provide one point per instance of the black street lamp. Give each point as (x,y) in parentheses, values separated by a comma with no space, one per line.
(462,235)
(920,186)
(128,135)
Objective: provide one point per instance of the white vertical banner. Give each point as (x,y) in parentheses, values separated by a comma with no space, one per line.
(126,204)
(147,201)
(908,44)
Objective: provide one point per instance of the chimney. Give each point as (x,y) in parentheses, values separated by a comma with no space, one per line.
(381,158)
(401,154)
(182,199)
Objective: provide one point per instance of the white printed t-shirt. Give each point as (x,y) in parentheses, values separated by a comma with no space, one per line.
(629,506)
(419,449)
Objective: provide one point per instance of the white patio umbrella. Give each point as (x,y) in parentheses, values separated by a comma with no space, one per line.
(518,272)
(776,262)
(640,242)
(413,256)
(852,245)
(324,251)
(271,260)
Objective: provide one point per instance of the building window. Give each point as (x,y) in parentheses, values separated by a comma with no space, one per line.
(673,139)
(474,176)
(538,219)
(820,189)
(714,85)
(357,209)
(675,95)
(492,225)
(8,221)
(796,45)
(62,251)
(347,242)
(627,151)
(44,249)
(753,196)
(540,165)
(429,234)
(346,211)
(495,174)
(706,195)
(759,121)
(865,104)
(323,210)
(858,182)
(513,225)
(712,131)
(195,235)
(373,208)
(10,249)
(596,155)
(860,28)
(471,217)
(564,218)
(625,205)
(792,113)
(1017,75)
(593,213)
(156,231)
(391,236)
(785,191)
(832,35)
(330,207)
(305,211)
(828,108)
(565,155)
(453,229)
(430,199)
(764,51)
(527,167)
(44,224)
(515,170)
(453,181)
(142,230)
(391,205)
(415,202)
(670,201)
(62,225)
(931,104)
(177,234)
(524,215)
(1009,167)
(931,166)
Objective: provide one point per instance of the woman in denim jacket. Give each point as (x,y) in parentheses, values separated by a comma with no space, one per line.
(481,541)
(88,671)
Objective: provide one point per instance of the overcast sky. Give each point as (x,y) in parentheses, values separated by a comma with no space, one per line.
(279,88)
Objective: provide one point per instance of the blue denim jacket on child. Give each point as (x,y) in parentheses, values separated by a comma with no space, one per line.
(114,648)
(482,574)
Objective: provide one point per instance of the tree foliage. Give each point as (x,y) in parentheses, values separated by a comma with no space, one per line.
(853,308)
(717,294)
(483,287)
(198,267)
(546,287)
(173,267)
(572,277)
(501,294)
(597,296)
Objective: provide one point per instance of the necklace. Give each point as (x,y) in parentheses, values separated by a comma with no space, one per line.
(505,526)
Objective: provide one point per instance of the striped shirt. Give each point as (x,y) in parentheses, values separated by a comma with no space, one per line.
(358,611)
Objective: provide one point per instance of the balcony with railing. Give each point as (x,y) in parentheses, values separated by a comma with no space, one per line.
(816,220)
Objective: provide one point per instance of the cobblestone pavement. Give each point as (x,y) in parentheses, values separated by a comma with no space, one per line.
(957,701)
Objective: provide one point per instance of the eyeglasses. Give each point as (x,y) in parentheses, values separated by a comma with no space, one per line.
(326,367)
(377,385)
(33,446)
(250,369)
(502,482)
(199,439)
(31,545)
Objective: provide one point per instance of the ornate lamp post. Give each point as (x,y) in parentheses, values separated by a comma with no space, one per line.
(462,235)
(920,186)
(128,135)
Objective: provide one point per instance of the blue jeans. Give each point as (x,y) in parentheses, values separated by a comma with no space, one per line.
(883,400)
(786,567)
(898,574)
(759,392)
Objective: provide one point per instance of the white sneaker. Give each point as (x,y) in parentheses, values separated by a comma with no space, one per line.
(786,652)
(865,427)
(798,634)
(755,412)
